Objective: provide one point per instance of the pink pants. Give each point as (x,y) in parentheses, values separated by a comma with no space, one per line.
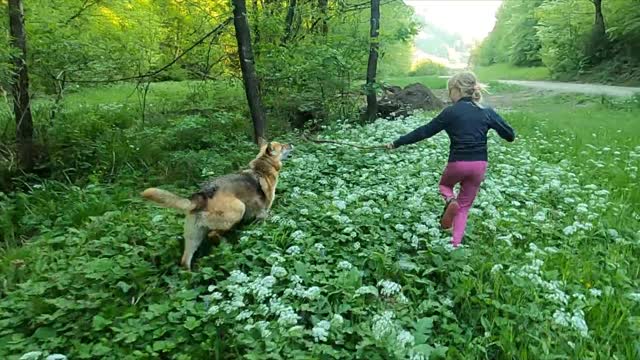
(470,175)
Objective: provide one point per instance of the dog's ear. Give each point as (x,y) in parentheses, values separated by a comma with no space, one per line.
(269,150)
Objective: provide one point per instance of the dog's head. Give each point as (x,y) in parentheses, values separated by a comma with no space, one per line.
(274,150)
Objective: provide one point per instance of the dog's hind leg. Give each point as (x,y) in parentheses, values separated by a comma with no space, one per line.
(194,233)
(224,215)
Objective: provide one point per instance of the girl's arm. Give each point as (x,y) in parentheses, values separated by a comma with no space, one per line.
(497,123)
(423,132)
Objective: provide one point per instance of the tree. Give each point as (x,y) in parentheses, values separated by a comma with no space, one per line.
(20,86)
(372,65)
(597,45)
(322,4)
(288,25)
(247,66)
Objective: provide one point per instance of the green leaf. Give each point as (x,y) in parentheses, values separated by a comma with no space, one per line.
(44,333)
(123,286)
(191,323)
(100,323)
(100,350)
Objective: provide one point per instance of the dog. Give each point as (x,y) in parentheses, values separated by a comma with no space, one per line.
(226,201)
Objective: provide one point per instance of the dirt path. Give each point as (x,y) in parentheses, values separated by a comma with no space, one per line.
(594,89)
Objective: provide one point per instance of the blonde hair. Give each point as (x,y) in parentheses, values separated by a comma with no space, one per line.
(468,84)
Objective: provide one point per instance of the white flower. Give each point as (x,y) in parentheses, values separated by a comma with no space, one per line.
(293,250)
(575,321)
(634,296)
(496,268)
(569,230)
(534,248)
(561,318)
(405,338)
(312,293)
(366,290)
(383,325)
(345,265)
(613,233)
(213,310)
(264,328)
(578,323)
(389,288)
(320,332)
(56,357)
(447,302)
(238,277)
(341,205)
(32,355)
(297,235)
(244,315)
(261,288)
(540,216)
(286,314)
(595,292)
(337,320)
(278,271)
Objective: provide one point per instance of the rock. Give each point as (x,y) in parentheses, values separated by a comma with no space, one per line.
(397,102)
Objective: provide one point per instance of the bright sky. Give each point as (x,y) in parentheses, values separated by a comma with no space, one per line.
(472,19)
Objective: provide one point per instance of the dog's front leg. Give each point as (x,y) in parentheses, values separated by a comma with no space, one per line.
(262,215)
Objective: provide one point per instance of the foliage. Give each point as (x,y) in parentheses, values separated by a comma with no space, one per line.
(513,40)
(428,67)
(432,82)
(352,260)
(559,34)
(307,78)
(562,32)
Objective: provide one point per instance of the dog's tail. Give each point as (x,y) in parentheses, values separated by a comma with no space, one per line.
(167,199)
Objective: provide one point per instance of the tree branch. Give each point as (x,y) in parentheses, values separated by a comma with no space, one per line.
(215,31)
(85,6)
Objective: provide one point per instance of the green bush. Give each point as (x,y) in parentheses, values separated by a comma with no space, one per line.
(428,67)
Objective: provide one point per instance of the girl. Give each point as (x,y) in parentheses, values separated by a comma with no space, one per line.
(467,123)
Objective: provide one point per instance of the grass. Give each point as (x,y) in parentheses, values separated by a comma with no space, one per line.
(510,72)
(351,260)
(597,134)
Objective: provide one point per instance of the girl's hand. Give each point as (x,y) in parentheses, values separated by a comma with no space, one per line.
(389,146)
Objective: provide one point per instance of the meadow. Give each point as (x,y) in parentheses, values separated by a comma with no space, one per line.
(510,72)
(350,264)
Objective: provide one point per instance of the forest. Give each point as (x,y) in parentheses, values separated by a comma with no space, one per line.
(597,40)
(102,99)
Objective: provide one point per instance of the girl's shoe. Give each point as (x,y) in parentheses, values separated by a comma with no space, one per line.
(450,211)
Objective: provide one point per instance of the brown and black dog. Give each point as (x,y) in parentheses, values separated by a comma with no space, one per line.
(226,201)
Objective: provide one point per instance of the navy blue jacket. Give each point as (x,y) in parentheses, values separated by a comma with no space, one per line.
(467,125)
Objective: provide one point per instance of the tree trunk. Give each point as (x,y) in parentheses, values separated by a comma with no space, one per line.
(247,65)
(256,25)
(598,43)
(372,66)
(322,4)
(288,23)
(599,21)
(20,87)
